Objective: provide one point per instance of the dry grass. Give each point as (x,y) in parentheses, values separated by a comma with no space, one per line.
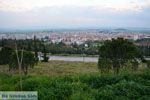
(4,68)
(59,68)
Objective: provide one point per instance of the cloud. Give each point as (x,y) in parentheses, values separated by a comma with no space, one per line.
(72,13)
(71,16)
(114,5)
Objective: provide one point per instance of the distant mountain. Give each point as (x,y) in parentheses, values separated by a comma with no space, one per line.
(121,29)
(133,30)
(100,30)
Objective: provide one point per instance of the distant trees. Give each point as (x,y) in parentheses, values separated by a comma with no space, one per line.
(35,45)
(116,52)
(28,44)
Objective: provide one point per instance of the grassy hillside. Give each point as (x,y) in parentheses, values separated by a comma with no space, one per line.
(78,81)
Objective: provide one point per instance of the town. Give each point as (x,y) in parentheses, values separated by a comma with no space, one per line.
(75,36)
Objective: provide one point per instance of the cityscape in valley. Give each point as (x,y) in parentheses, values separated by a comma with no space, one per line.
(79,36)
(74,49)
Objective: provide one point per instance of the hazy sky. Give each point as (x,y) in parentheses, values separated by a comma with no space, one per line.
(74,13)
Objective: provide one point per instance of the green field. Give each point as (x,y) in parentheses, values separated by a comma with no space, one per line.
(59,80)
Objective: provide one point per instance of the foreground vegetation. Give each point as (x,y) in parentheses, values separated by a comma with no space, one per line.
(59,80)
(135,86)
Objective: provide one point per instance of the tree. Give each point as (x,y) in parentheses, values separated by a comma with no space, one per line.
(2,42)
(118,52)
(5,53)
(28,60)
(45,58)
(35,49)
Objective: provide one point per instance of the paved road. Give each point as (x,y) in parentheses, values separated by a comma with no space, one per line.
(72,58)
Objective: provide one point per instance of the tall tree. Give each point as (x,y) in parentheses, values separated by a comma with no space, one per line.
(117,52)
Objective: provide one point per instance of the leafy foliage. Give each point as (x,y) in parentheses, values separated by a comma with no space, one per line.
(117,52)
(5,52)
(29,60)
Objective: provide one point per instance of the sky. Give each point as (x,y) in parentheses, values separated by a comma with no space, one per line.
(74,13)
